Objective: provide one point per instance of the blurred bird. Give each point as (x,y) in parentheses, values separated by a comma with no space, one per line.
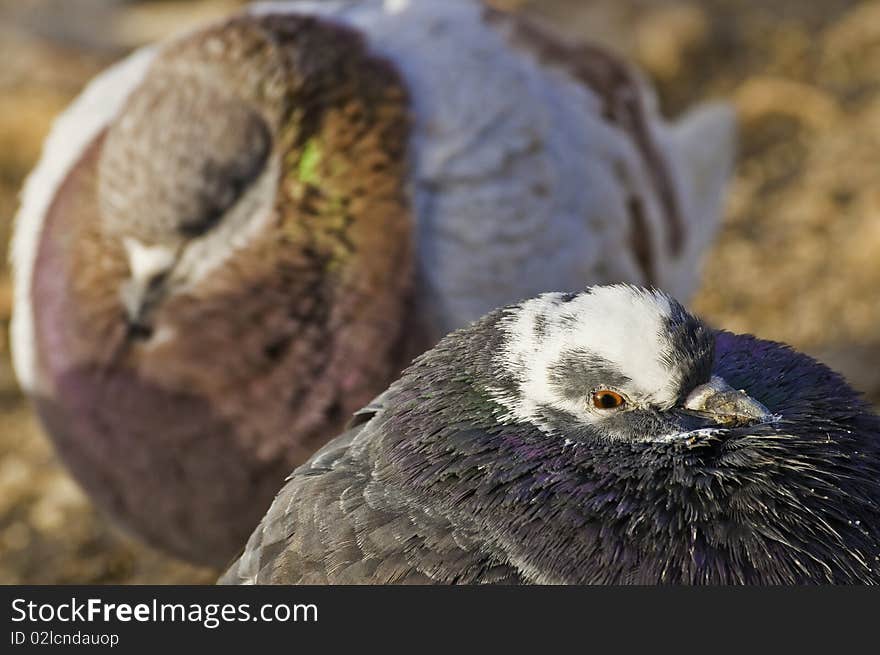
(602,437)
(237,238)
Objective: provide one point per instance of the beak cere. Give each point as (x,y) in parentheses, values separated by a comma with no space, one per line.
(718,401)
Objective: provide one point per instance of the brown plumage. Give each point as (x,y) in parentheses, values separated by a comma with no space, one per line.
(330,322)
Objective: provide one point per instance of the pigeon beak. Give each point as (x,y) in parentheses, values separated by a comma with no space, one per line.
(150,269)
(719,402)
(139,300)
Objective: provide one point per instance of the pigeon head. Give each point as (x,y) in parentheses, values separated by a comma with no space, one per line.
(616,362)
(192,172)
(188,173)
(610,436)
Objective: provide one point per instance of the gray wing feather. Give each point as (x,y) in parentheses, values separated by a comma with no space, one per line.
(285,524)
(333,523)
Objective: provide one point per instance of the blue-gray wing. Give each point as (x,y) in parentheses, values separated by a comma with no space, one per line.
(333,523)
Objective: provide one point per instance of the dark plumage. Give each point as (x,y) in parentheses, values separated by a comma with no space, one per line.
(451,476)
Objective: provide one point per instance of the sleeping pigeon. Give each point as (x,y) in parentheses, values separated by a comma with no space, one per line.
(601,437)
(237,238)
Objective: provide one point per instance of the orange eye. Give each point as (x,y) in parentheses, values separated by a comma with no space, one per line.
(607,399)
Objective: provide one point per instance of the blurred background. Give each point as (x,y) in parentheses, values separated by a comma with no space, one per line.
(798,259)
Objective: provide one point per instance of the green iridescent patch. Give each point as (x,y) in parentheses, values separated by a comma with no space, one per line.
(309,162)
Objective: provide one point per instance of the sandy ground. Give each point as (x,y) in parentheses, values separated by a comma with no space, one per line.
(798,259)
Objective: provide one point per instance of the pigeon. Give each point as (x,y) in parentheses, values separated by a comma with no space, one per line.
(603,437)
(236,238)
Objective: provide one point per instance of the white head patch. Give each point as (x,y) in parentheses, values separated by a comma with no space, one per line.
(620,324)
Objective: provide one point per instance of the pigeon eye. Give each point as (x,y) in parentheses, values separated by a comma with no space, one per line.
(607,399)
